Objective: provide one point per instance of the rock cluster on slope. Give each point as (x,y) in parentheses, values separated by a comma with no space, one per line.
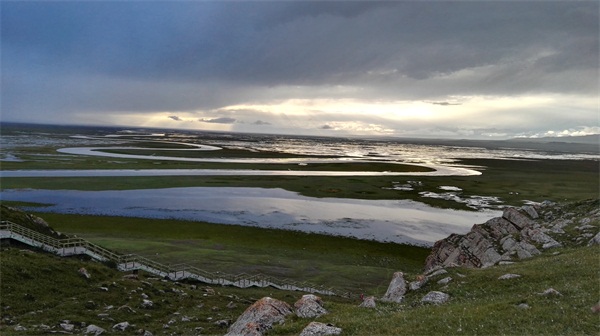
(260,317)
(264,313)
(518,234)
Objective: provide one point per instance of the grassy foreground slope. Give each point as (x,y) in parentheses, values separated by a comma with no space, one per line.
(41,291)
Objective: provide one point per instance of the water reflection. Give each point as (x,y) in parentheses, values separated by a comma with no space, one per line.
(399,221)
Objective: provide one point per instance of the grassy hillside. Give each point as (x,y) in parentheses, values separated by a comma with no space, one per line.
(40,291)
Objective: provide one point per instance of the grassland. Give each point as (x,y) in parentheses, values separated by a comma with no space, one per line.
(480,304)
(343,263)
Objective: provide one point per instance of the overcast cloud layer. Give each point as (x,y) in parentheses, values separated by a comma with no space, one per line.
(418,69)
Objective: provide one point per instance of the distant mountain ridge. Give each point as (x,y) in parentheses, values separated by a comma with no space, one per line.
(593,139)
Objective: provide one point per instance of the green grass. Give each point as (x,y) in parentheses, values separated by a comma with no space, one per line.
(480,304)
(343,263)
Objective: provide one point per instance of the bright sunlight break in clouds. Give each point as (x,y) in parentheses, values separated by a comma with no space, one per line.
(410,69)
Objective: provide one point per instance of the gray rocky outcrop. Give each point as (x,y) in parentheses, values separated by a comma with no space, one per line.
(517,234)
(396,289)
(260,317)
(320,329)
(309,306)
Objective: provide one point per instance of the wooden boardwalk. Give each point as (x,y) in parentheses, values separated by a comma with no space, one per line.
(131,262)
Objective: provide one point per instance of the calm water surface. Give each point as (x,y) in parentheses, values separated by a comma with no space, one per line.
(399,221)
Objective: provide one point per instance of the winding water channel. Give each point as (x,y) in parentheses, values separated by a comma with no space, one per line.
(399,221)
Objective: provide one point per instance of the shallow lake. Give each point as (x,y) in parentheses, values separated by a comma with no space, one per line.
(399,221)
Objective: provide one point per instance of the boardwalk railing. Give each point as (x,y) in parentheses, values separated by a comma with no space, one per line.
(130,262)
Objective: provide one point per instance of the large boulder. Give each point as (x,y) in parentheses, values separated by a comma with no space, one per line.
(260,317)
(320,329)
(309,306)
(396,289)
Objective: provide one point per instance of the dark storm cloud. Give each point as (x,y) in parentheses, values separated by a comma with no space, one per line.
(221,120)
(176,118)
(69,56)
(326,127)
(274,43)
(261,123)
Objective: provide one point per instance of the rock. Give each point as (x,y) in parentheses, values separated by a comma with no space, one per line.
(222,323)
(231,305)
(538,236)
(516,217)
(260,317)
(94,330)
(396,289)
(320,329)
(121,326)
(67,326)
(420,282)
(558,226)
(595,240)
(435,297)
(368,302)
(478,248)
(530,210)
(585,227)
(508,276)
(309,306)
(596,308)
(146,304)
(131,276)
(550,291)
(525,250)
(514,234)
(84,273)
(445,281)
(147,333)
(523,306)
(19,328)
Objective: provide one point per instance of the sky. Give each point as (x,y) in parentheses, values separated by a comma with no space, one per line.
(467,69)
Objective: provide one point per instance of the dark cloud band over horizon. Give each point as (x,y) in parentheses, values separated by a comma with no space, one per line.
(284,61)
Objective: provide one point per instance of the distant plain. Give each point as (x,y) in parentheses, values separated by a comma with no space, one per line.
(510,175)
